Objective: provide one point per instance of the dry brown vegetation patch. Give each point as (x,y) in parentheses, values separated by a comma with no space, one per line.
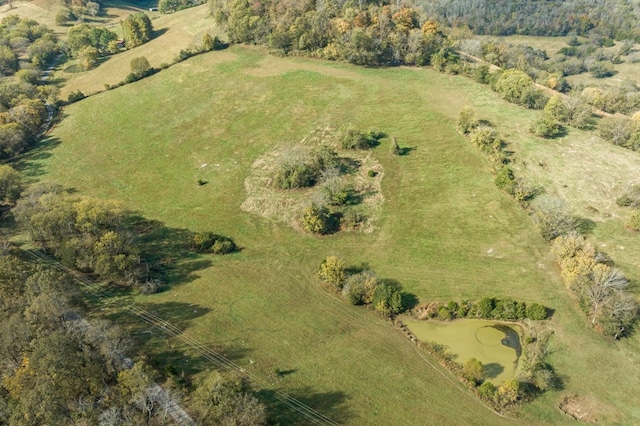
(581,408)
(286,205)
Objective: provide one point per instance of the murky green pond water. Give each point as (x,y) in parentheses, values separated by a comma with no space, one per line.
(496,345)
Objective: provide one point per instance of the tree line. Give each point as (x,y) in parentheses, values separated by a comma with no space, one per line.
(363,32)
(616,19)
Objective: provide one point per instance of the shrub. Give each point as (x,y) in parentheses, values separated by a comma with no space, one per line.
(633,221)
(351,218)
(360,288)
(223,245)
(303,169)
(372,173)
(546,127)
(509,392)
(467,120)
(556,109)
(485,307)
(140,67)
(318,220)
(482,75)
(332,270)
(631,198)
(536,311)
(552,216)
(487,390)
(444,314)
(505,180)
(602,70)
(512,85)
(75,96)
(295,175)
(472,371)
(388,298)
(203,242)
(394,149)
(149,287)
(353,139)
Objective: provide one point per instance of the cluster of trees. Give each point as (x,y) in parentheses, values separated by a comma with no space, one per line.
(525,64)
(624,99)
(21,37)
(621,131)
(577,58)
(611,18)
(87,234)
(361,286)
(223,399)
(170,6)
(22,114)
(74,10)
(89,42)
(486,308)
(363,32)
(599,285)
(56,367)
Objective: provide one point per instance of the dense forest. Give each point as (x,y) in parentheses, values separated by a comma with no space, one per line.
(616,19)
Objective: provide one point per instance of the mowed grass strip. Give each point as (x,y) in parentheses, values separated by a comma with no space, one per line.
(446,231)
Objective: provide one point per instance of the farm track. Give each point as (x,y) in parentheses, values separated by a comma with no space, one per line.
(215,358)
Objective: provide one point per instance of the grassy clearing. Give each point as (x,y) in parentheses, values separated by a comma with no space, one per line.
(446,232)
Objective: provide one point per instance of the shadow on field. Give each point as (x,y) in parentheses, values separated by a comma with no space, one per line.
(30,165)
(329,404)
(157,33)
(179,314)
(165,249)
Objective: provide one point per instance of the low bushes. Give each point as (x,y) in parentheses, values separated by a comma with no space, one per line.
(300,168)
(486,308)
(209,242)
(361,286)
(354,139)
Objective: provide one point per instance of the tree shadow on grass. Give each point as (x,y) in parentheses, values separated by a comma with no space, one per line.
(286,412)
(585,226)
(30,164)
(406,150)
(165,250)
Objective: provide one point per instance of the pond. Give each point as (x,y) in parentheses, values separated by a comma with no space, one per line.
(494,344)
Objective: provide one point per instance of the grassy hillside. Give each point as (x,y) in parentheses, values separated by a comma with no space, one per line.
(173,33)
(446,231)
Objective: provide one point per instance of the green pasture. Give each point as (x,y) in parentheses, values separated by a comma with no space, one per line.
(446,232)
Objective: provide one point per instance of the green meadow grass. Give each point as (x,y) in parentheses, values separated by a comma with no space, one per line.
(446,232)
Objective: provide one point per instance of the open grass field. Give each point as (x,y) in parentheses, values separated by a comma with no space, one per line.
(446,232)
